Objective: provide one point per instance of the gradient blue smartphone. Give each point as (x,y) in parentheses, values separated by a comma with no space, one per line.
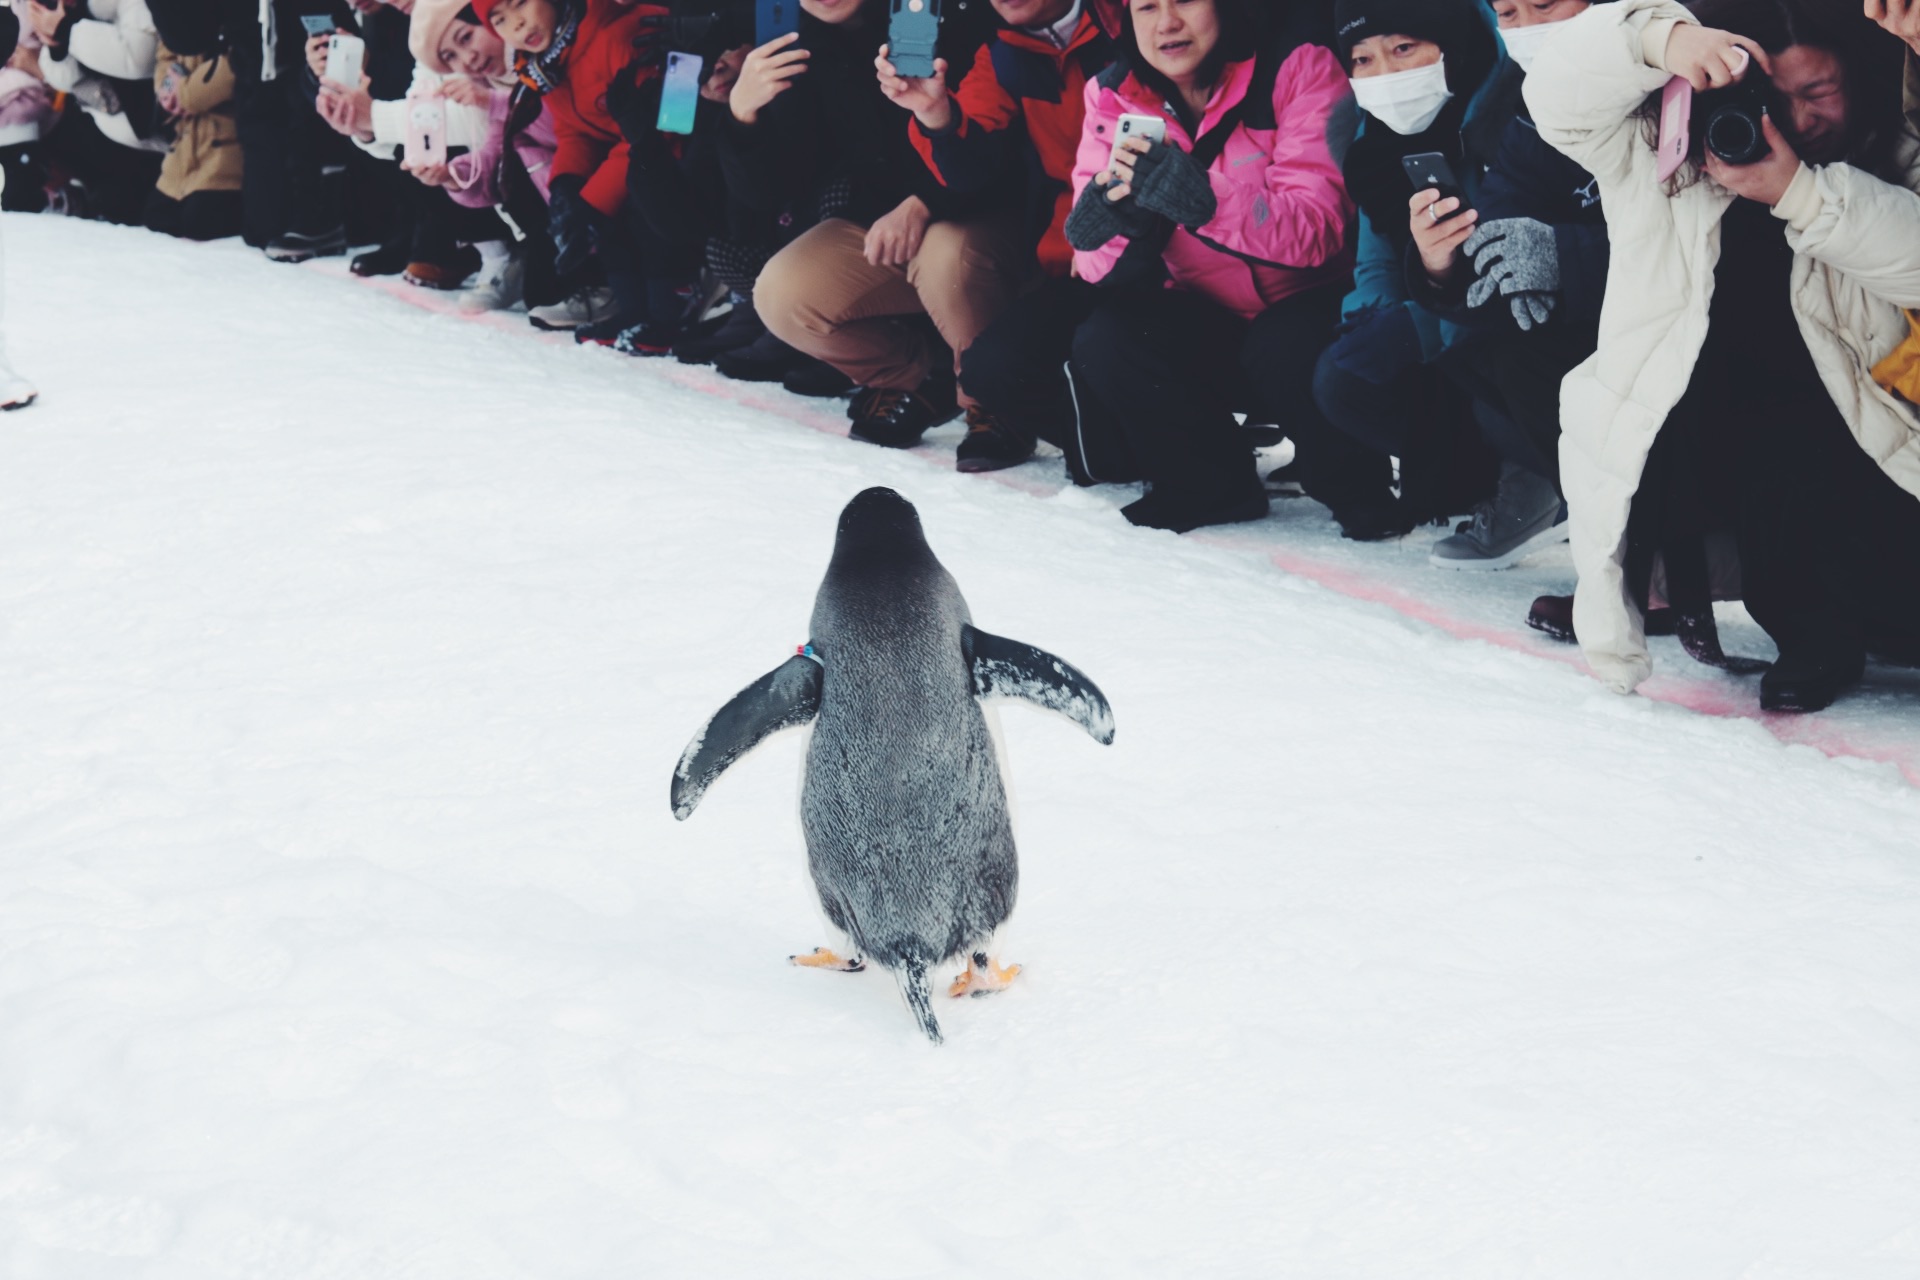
(680,92)
(913,33)
(317,24)
(773,19)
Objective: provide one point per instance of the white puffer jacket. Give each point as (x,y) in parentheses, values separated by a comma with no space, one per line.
(115,39)
(1856,243)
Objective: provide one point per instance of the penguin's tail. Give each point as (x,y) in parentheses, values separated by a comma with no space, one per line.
(912,977)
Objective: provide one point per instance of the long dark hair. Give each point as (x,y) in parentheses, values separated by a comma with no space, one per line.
(1240,29)
(1871,60)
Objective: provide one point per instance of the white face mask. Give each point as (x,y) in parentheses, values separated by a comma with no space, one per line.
(1524,43)
(1407,102)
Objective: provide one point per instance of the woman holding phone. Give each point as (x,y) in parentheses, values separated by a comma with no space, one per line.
(1234,224)
(1435,87)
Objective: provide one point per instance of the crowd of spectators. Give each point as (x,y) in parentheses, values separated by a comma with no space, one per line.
(1508,260)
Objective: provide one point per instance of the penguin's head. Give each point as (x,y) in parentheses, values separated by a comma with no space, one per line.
(879,527)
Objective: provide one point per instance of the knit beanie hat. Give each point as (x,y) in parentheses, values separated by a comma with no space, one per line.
(431,18)
(1448,23)
(483,9)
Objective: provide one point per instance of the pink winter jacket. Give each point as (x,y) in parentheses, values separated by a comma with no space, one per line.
(475,177)
(1283,222)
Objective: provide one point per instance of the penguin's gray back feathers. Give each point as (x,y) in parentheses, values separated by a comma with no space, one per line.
(904,810)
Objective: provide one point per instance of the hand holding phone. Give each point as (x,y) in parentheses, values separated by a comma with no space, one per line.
(1437,213)
(925,96)
(1132,128)
(767,73)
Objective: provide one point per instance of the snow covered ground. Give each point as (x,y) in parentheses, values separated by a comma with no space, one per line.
(346,650)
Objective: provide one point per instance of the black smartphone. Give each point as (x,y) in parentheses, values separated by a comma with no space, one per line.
(1429,170)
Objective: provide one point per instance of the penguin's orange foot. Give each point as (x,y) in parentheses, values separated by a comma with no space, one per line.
(982,978)
(822,958)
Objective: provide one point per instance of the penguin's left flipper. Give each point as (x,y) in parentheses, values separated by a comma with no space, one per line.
(786,696)
(1009,669)
(983,977)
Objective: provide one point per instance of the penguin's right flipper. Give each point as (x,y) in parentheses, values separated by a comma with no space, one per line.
(786,696)
(1008,669)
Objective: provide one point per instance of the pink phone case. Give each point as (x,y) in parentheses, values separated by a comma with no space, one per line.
(1676,124)
(426,141)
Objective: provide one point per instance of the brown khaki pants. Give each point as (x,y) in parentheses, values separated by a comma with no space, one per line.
(820,295)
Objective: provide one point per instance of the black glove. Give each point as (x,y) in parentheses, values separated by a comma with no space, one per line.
(635,107)
(1167,181)
(571,221)
(1096,219)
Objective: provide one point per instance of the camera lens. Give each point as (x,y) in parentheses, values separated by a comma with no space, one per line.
(1734,134)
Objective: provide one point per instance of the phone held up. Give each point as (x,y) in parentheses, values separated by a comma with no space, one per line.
(913,32)
(773,19)
(1152,128)
(317,24)
(680,93)
(426,130)
(345,57)
(1430,171)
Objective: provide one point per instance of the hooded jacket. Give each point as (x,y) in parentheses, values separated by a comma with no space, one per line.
(1281,220)
(107,65)
(1856,264)
(1470,135)
(205,155)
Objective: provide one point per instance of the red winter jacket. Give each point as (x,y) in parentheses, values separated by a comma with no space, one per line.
(590,145)
(1022,79)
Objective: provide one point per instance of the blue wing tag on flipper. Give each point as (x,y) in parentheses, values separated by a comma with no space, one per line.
(1005,668)
(787,696)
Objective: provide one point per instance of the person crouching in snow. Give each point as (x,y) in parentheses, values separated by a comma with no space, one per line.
(573,53)
(1743,379)
(15,391)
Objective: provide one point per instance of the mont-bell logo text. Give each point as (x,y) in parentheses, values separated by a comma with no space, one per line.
(1355,25)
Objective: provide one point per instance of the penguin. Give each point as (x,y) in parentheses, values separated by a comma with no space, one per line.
(903,805)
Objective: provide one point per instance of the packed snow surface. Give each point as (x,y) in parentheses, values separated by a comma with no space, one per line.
(346,652)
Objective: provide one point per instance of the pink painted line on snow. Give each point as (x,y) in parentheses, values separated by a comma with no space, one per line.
(1696,696)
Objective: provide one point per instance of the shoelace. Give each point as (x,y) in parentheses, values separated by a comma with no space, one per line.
(888,404)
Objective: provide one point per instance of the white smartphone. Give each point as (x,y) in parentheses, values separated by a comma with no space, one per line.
(345,57)
(426,129)
(1152,128)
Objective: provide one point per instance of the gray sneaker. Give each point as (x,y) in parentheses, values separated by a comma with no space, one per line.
(1524,516)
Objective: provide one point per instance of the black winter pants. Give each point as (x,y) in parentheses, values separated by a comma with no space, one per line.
(118,179)
(1829,545)
(202,215)
(1164,367)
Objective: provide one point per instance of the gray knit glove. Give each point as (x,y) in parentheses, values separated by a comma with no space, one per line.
(1519,260)
(1168,181)
(1096,219)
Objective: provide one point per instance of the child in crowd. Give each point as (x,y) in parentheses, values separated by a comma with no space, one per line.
(576,56)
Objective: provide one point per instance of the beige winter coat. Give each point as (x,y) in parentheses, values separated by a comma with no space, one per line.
(1856,243)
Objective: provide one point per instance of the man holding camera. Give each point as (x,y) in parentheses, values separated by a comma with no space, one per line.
(1734,390)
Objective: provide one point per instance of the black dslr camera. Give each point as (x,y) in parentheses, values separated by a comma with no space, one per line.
(1726,122)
